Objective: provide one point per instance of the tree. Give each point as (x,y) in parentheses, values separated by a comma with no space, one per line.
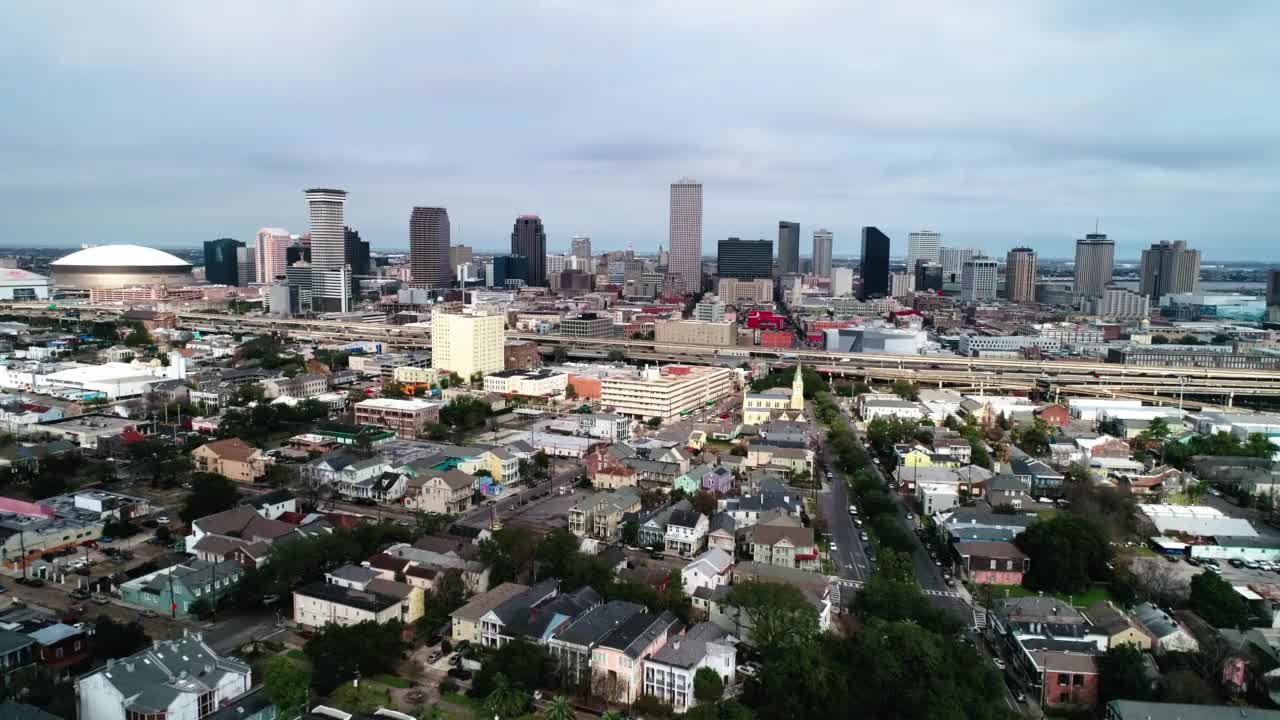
(338,652)
(201,608)
(905,389)
(1158,429)
(559,355)
(1123,674)
(704,503)
(209,494)
(114,639)
(631,532)
(654,422)
(520,664)
(505,700)
(708,687)
(616,356)
(138,335)
(1159,339)
(1067,553)
(1214,600)
(1188,340)
(780,616)
(509,553)
(287,685)
(558,709)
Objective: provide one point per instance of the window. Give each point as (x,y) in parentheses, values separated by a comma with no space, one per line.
(1064,679)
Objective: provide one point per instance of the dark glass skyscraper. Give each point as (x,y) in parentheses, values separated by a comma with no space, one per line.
(296,253)
(744,259)
(429,247)
(788,247)
(875,263)
(357,251)
(220,264)
(530,240)
(510,267)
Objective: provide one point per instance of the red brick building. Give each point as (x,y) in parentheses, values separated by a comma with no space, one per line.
(521,355)
(993,563)
(1068,679)
(1111,448)
(777,338)
(1055,415)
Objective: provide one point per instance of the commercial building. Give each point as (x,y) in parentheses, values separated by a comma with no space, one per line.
(580,247)
(179,679)
(695,332)
(1168,268)
(220,261)
(881,341)
(533,383)
(1273,296)
(874,263)
(507,271)
(666,393)
(1119,303)
(246,271)
(953,260)
(923,245)
(406,418)
(1095,262)
(744,259)
(357,252)
(685,234)
(1192,356)
(587,325)
(841,281)
(330,268)
(120,266)
(732,290)
(788,247)
(1216,306)
(822,241)
(22,285)
(529,239)
(429,252)
(1020,275)
(709,309)
(979,345)
(271,246)
(928,276)
(978,279)
(467,343)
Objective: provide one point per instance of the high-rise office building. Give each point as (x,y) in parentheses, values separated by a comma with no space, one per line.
(788,247)
(685,234)
(357,252)
(1169,268)
(297,253)
(1273,296)
(978,279)
(874,263)
(928,276)
(429,252)
(923,245)
(246,271)
(822,239)
(459,255)
(330,269)
(1095,261)
(530,240)
(509,271)
(1020,275)
(953,260)
(220,261)
(270,253)
(841,281)
(467,344)
(744,259)
(580,246)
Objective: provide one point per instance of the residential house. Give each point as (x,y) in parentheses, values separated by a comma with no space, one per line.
(59,646)
(1043,481)
(690,483)
(782,541)
(815,587)
(242,534)
(1066,679)
(722,533)
(475,574)
(1054,415)
(445,493)
(617,662)
(771,496)
(616,476)
(465,621)
(360,479)
(231,458)
(709,570)
(353,594)
(1138,710)
(271,505)
(669,672)
(654,474)
(1167,634)
(572,648)
(789,460)
(1117,625)
(180,679)
(175,589)
(981,522)
(16,650)
(600,516)
(686,532)
(325,470)
(653,525)
(992,563)
(535,614)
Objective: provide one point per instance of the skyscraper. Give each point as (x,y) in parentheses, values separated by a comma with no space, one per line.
(874,263)
(220,261)
(822,239)
(744,259)
(270,250)
(459,255)
(1095,261)
(530,240)
(580,246)
(923,245)
(246,272)
(685,234)
(429,247)
(357,251)
(952,260)
(330,271)
(1020,275)
(841,281)
(788,247)
(978,279)
(1273,296)
(1168,268)
(928,276)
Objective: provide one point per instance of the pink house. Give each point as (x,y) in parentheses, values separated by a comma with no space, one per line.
(617,662)
(992,563)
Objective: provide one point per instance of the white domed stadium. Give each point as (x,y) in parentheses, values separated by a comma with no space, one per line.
(118,266)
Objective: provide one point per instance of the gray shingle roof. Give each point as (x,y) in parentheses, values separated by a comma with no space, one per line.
(692,648)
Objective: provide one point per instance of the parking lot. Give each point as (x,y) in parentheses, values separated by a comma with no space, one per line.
(1183,571)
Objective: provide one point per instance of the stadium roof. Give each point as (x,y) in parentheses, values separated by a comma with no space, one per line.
(120,256)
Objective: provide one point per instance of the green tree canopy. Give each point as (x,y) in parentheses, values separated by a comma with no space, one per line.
(287,685)
(780,616)
(1123,674)
(707,685)
(1214,600)
(209,494)
(1067,553)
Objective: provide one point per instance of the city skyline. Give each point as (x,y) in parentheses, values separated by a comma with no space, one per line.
(198,145)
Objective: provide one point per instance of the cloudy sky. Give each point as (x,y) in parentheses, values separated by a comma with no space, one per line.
(996,123)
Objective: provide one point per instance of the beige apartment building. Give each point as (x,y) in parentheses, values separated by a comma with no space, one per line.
(406,418)
(666,393)
(467,343)
(732,290)
(233,459)
(694,332)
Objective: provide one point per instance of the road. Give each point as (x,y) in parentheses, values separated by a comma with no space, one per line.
(850,557)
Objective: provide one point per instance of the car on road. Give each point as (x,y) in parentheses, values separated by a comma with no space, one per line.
(863,537)
(853,509)
(857,521)
(435,656)
(1000,665)
(100,599)
(1019,697)
(163,519)
(1213,569)
(1252,565)
(149,614)
(833,547)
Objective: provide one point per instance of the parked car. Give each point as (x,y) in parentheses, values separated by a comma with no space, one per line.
(863,537)
(1236,563)
(1213,569)
(163,519)
(149,614)
(746,670)
(999,663)
(1171,558)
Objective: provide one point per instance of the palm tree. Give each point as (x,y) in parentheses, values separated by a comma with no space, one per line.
(612,715)
(505,701)
(558,709)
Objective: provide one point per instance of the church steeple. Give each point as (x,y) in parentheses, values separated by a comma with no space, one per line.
(797,389)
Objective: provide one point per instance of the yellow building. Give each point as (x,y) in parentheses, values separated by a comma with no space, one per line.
(467,343)
(406,374)
(774,403)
